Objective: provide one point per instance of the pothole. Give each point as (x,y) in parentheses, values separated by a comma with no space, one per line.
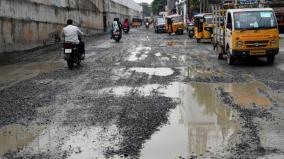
(163,71)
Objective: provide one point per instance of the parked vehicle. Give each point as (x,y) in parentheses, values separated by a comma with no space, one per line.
(177,24)
(203,27)
(117,36)
(160,25)
(251,32)
(190,30)
(72,54)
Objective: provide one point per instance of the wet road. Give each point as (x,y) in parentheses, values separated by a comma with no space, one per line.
(150,96)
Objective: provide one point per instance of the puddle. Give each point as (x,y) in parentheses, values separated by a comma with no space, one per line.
(139,53)
(162,71)
(91,142)
(16,137)
(175,43)
(200,72)
(199,124)
(145,90)
(280,66)
(158,54)
(249,93)
(104,45)
(26,71)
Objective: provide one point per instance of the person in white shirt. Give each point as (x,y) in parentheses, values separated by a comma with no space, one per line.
(72,35)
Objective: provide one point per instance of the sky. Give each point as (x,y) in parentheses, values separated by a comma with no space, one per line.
(139,1)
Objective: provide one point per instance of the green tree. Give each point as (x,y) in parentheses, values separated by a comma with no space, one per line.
(158,6)
(146,9)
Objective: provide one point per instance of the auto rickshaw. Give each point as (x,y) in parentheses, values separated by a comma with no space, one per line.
(178,24)
(136,22)
(203,26)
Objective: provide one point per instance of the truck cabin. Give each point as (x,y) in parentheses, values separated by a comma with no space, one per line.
(251,19)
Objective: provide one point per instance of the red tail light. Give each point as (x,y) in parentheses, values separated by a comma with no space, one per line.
(68,46)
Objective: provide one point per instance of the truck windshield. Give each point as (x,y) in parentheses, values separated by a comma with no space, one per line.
(255,20)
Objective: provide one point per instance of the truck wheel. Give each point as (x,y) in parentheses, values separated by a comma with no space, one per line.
(270,59)
(198,40)
(230,58)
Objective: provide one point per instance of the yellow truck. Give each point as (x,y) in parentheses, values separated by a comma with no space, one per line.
(245,32)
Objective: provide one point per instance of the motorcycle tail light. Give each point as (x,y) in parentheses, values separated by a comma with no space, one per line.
(68,46)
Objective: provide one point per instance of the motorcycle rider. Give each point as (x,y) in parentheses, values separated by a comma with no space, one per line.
(71,34)
(126,24)
(116,26)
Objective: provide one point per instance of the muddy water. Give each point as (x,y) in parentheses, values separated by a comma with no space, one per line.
(15,137)
(145,90)
(163,71)
(25,71)
(175,43)
(194,72)
(244,94)
(139,53)
(199,124)
(250,93)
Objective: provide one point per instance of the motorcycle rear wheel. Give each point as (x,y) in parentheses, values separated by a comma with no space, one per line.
(70,64)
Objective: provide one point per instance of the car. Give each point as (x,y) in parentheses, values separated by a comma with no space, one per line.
(160,25)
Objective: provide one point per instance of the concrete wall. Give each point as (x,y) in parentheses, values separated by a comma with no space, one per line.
(25,24)
(121,9)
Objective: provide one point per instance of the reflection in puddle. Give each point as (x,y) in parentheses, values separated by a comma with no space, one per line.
(199,124)
(249,93)
(139,53)
(163,71)
(25,71)
(15,137)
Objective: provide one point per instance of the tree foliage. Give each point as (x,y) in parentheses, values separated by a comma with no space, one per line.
(146,9)
(158,6)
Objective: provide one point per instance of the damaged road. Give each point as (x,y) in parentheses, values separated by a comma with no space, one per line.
(149,96)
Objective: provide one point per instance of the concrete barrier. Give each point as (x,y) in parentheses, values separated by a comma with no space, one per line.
(26,24)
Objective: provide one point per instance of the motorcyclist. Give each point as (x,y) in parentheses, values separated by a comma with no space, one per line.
(72,34)
(116,26)
(126,24)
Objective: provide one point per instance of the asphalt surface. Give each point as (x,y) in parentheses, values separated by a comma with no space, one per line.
(149,96)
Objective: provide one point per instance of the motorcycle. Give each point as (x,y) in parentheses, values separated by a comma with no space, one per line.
(116,36)
(126,30)
(72,54)
(190,29)
(147,25)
